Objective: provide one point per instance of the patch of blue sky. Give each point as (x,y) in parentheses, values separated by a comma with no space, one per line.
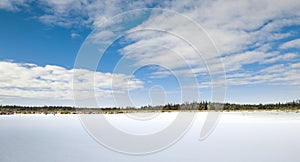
(26,40)
(260,93)
(252,68)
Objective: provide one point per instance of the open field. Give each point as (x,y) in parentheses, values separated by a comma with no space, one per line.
(239,136)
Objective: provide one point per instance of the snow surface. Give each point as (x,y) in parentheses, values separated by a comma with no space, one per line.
(239,136)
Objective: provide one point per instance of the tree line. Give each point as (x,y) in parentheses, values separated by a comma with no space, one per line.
(201,106)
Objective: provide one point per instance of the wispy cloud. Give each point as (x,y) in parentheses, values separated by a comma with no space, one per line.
(291,44)
(75,35)
(13,5)
(245,32)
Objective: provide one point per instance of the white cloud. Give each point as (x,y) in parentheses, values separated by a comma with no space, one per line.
(235,26)
(244,32)
(13,5)
(297,65)
(236,61)
(291,44)
(75,35)
(279,74)
(70,13)
(282,57)
(55,82)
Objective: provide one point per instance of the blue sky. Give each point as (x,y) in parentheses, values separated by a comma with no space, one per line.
(152,56)
(24,39)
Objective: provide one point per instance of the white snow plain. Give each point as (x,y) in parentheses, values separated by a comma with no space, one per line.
(239,136)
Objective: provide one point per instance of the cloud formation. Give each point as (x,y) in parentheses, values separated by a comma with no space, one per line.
(55,82)
(252,36)
(291,44)
(13,5)
(247,34)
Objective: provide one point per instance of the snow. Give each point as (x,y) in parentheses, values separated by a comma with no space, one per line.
(239,136)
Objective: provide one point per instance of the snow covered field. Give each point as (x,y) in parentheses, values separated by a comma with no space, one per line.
(239,136)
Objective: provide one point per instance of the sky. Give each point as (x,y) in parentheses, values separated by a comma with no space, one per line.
(130,53)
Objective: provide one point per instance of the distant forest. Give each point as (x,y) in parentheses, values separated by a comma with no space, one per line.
(193,106)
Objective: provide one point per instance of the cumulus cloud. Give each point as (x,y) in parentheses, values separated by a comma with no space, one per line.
(55,82)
